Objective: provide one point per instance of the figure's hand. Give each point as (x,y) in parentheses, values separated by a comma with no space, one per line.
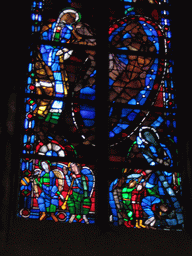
(74,176)
(65,52)
(37,172)
(120,182)
(62,198)
(36,195)
(60,52)
(31,179)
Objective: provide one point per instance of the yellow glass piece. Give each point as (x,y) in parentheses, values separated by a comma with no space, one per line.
(40,112)
(42,108)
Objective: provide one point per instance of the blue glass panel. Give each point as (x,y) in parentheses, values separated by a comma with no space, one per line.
(32,138)
(169,34)
(131,116)
(26,124)
(87,93)
(30,67)
(34,4)
(23,166)
(158,122)
(40,5)
(94,72)
(25,138)
(29,81)
(175,139)
(57,104)
(87,112)
(123,58)
(122,48)
(33,16)
(117,129)
(89,123)
(123,126)
(127,35)
(111,134)
(27,108)
(132,102)
(125,112)
(31,166)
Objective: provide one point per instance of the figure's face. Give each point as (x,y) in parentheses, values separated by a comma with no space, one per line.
(74,168)
(139,187)
(163,208)
(65,170)
(148,171)
(68,18)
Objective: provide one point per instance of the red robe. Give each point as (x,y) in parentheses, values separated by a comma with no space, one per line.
(136,199)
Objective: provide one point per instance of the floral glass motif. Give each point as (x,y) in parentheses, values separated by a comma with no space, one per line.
(58,162)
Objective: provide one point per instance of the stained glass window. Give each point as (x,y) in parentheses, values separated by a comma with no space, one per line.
(142,115)
(58,164)
(56,183)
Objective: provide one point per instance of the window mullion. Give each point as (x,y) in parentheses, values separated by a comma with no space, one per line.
(102,117)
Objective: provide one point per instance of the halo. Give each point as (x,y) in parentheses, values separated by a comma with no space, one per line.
(40,161)
(145,128)
(67,10)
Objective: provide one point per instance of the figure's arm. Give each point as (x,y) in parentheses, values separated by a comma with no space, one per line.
(68,178)
(66,33)
(167,156)
(85,188)
(145,192)
(40,183)
(47,31)
(65,36)
(126,195)
(48,54)
(78,181)
(52,179)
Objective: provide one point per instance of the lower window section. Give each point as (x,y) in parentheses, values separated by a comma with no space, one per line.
(148,199)
(57,191)
(148,191)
